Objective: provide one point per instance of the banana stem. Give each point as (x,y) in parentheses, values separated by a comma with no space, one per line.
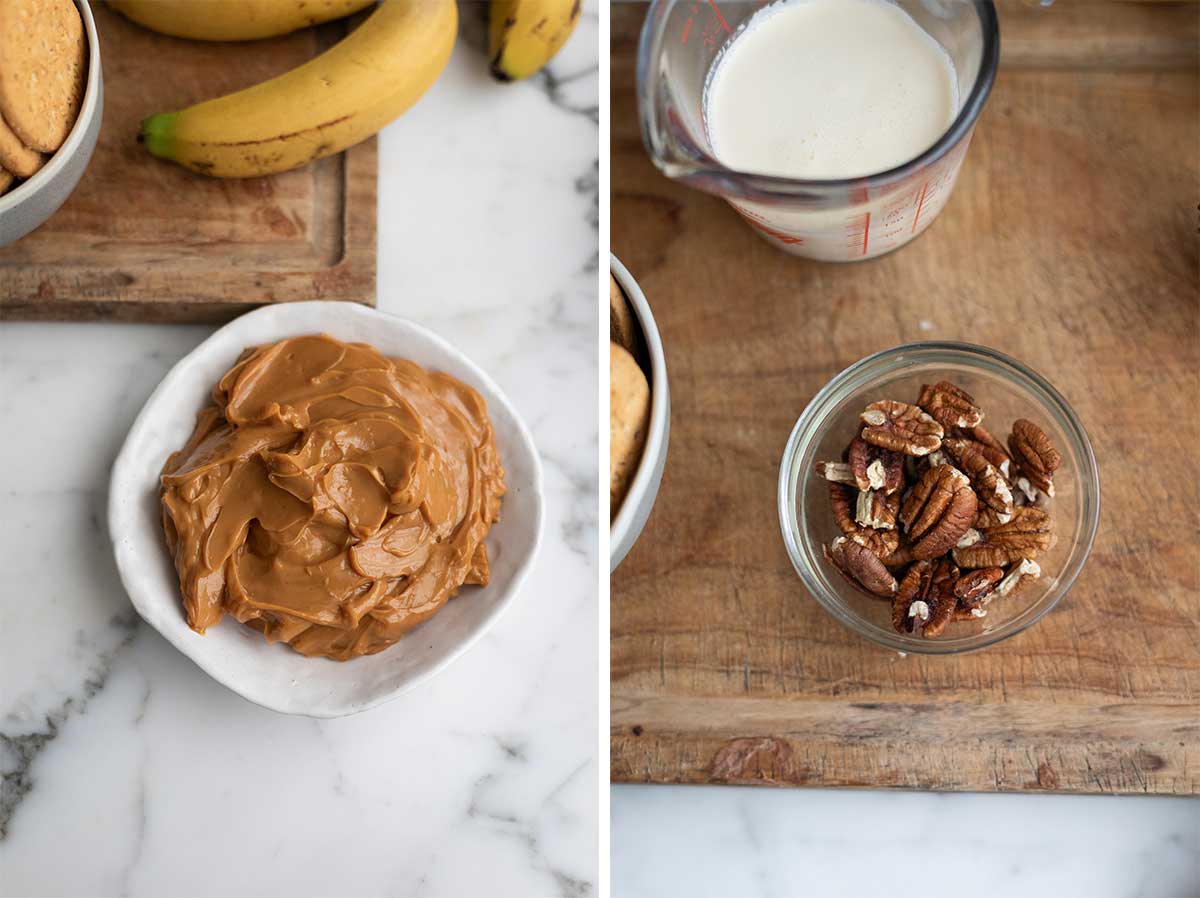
(158,134)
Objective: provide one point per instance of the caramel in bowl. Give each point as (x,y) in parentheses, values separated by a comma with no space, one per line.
(331,498)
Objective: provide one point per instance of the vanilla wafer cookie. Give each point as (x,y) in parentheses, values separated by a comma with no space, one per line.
(14,155)
(43,63)
(621,325)
(629,418)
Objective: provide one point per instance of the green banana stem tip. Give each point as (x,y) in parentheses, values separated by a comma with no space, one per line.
(158,134)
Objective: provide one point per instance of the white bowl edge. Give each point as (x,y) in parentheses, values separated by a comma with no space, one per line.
(643,490)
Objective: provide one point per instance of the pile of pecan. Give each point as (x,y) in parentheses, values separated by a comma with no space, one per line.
(936,514)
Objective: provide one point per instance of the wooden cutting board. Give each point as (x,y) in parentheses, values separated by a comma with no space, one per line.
(1070,243)
(142,239)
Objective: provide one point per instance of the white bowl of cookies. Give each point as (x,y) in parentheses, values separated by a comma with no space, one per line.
(639,412)
(51,104)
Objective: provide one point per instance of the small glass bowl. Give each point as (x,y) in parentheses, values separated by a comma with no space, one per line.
(1005,390)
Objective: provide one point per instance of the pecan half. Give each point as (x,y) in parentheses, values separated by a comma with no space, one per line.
(991,489)
(840,499)
(996,453)
(860,567)
(950,405)
(998,459)
(939,511)
(877,510)
(1027,535)
(964,609)
(835,472)
(1031,493)
(875,468)
(945,575)
(899,558)
(974,589)
(986,518)
(1034,454)
(881,543)
(900,427)
(1018,575)
(921,606)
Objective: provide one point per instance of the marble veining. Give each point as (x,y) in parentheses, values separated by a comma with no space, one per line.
(22,748)
(120,755)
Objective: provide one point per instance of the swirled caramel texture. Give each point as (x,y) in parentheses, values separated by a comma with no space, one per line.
(330,497)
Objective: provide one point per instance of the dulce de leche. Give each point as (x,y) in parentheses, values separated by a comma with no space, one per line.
(331,498)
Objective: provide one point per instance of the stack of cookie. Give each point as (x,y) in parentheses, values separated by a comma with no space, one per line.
(43,66)
(629,393)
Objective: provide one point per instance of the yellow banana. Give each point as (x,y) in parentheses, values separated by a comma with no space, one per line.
(233,20)
(524,34)
(333,101)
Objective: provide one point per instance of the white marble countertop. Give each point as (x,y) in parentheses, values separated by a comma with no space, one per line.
(127,771)
(721,841)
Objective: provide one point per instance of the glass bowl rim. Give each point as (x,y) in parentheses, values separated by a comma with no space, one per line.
(807,428)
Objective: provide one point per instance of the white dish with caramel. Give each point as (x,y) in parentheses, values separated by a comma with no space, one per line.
(322,505)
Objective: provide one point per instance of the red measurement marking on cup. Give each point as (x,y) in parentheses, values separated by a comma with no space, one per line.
(890,226)
(858,231)
(712,29)
(724,24)
(754,222)
(687,25)
(920,203)
(716,28)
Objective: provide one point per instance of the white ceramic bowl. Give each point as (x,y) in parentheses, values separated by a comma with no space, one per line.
(30,203)
(273,675)
(643,490)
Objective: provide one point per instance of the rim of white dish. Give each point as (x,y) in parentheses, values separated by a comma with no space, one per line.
(87,109)
(479,376)
(658,401)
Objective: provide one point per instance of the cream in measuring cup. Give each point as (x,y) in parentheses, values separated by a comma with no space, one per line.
(828,89)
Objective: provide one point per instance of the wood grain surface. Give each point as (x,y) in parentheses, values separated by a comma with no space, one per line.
(1071,243)
(143,239)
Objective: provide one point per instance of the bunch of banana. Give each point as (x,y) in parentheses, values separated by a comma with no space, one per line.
(524,34)
(332,102)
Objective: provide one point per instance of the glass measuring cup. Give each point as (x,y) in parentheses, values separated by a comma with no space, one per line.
(833,220)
